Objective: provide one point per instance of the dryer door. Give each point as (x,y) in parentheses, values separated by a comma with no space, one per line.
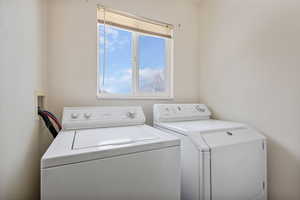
(238,165)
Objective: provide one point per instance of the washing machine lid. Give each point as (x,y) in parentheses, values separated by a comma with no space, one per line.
(200,126)
(130,135)
(85,145)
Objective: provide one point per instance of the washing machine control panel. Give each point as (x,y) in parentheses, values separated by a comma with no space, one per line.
(180,112)
(93,117)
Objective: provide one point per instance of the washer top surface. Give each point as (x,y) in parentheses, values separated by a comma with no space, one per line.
(187,127)
(71,147)
(113,136)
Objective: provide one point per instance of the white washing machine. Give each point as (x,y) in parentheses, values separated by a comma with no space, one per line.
(220,160)
(109,153)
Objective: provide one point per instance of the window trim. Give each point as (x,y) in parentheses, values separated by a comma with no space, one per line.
(168,95)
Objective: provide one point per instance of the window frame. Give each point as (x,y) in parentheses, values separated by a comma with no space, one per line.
(136,94)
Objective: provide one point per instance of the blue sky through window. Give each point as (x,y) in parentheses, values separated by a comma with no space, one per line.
(151,64)
(115,61)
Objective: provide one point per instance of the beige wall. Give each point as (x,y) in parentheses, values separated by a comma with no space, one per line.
(72,61)
(250,69)
(21,74)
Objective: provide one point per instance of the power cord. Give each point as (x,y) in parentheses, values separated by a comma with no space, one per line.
(45,116)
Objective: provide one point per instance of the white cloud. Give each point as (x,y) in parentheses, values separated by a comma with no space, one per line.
(152,80)
(149,73)
(113,39)
(112,32)
(124,77)
(118,83)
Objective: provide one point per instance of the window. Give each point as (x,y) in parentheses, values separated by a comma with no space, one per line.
(134,57)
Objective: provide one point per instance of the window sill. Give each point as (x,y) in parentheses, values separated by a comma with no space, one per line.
(119,97)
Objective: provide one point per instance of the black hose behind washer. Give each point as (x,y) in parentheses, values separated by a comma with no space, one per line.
(48,123)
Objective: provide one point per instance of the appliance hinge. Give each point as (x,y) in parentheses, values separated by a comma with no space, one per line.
(263,185)
(263,145)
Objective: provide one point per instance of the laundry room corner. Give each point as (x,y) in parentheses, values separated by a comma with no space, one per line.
(149,99)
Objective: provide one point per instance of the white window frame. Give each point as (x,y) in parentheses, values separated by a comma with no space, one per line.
(136,94)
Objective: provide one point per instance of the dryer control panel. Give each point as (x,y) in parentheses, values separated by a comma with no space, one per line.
(180,112)
(96,117)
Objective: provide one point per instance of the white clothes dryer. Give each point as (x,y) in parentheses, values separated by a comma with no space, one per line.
(220,160)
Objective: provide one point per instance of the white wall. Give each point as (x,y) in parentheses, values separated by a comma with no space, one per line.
(72,61)
(250,67)
(21,74)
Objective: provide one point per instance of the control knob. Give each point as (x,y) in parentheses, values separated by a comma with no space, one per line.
(87,115)
(200,109)
(131,115)
(74,115)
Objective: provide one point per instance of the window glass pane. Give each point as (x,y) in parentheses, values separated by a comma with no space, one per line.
(152,63)
(115,62)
